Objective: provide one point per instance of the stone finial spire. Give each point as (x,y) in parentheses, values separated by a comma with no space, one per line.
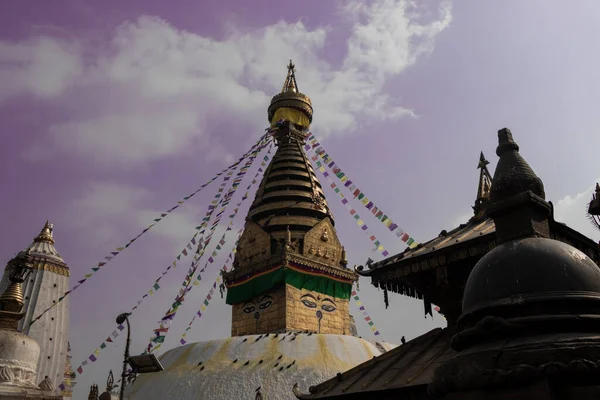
(513,175)
(517,197)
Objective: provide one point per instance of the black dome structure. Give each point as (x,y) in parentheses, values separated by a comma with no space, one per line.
(526,267)
(531,306)
(531,270)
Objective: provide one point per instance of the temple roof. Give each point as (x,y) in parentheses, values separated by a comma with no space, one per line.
(234,368)
(43,246)
(472,233)
(409,366)
(478,227)
(461,234)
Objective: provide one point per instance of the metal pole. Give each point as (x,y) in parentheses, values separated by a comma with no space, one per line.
(120,319)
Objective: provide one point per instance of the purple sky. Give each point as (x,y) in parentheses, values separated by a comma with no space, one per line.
(112,111)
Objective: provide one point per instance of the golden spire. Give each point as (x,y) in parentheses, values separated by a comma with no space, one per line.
(290,84)
(291,105)
(485,178)
(483,189)
(11,301)
(46,233)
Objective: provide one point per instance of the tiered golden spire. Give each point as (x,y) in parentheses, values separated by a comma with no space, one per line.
(46,233)
(11,301)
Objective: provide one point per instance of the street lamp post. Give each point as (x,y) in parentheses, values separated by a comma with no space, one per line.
(142,364)
(120,319)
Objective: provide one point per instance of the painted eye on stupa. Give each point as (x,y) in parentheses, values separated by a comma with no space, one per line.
(249,308)
(309,301)
(309,304)
(265,305)
(328,305)
(265,302)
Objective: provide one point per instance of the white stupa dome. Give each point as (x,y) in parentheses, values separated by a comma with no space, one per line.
(233,368)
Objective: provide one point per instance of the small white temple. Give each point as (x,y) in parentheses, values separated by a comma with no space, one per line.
(47,279)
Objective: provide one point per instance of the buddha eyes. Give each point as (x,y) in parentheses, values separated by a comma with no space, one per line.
(265,305)
(328,307)
(248,309)
(309,304)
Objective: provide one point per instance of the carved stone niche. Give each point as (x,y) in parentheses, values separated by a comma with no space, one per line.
(254,245)
(321,243)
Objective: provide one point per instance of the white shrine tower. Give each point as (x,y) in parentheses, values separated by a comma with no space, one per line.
(48,281)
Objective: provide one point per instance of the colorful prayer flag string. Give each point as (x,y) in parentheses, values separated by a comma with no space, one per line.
(352,211)
(366,316)
(208,297)
(161,332)
(155,286)
(261,142)
(229,258)
(205,304)
(92,357)
(356,192)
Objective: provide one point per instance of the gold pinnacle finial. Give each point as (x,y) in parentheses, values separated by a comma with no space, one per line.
(46,233)
(290,84)
(482,161)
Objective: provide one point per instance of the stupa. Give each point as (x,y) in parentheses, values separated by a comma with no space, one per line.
(47,279)
(289,288)
(19,353)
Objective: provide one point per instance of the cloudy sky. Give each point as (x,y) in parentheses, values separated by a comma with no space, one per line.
(112,111)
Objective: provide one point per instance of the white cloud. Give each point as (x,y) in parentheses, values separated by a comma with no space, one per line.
(572,210)
(104,208)
(155,89)
(43,67)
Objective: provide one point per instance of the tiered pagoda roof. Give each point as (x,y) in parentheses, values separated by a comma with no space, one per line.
(290,194)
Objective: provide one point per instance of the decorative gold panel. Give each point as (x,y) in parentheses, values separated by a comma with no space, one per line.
(321,243)
(254,245)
